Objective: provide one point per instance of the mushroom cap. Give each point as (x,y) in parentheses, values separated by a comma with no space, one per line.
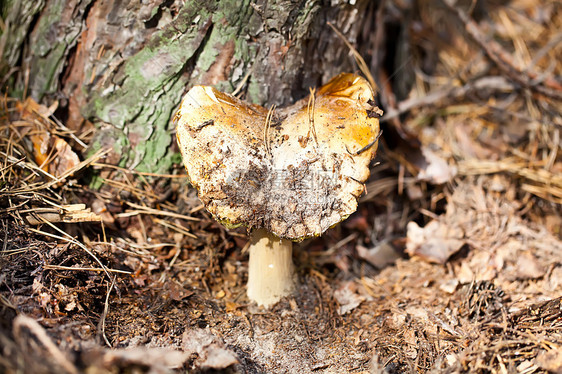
(295,171)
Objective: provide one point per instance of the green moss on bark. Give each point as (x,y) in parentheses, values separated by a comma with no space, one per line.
(151,87)
(152,83)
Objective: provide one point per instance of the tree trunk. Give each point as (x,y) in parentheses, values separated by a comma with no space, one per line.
(123,66)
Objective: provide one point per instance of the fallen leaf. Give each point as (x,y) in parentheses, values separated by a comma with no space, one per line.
(156,360)
(64,159)
(51,153)
(528,267)
(380,256)
(176,291)
(436,170)
(450,286)
(348,298)
(210,349)
(435,242)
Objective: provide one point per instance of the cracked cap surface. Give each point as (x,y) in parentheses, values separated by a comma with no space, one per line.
(295,171)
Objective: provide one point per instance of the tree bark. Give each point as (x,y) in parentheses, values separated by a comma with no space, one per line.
(123,66)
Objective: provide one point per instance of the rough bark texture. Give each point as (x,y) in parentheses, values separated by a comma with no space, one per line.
(124,66)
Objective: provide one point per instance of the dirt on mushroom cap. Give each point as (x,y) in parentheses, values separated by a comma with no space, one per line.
(295,171)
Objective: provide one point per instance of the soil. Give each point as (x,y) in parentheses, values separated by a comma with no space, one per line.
(495,304)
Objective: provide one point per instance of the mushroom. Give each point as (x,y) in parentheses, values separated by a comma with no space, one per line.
(286,174)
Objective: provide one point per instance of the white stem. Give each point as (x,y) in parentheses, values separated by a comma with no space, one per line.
(271,274)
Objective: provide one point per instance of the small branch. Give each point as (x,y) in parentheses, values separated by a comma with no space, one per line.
(448,94)
(23,323)
(68,213)
(58,267)
(101,324)
(548,87)
(146,210)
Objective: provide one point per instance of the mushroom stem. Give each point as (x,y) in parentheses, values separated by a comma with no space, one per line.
(270,275)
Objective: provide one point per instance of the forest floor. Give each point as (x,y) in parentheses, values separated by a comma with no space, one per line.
(452,262)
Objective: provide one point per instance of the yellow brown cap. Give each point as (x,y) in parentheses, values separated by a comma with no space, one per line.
(295,171)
